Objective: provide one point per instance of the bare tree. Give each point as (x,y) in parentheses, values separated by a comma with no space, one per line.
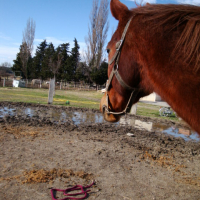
(24,56)
(27,44)
(5,64)
(29,34)
(55,65)
(97,33)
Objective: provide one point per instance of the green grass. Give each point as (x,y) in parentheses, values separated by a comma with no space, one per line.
(88,99)
(149,110)
(85,99)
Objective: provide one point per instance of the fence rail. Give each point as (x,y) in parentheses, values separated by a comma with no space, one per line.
(59,85)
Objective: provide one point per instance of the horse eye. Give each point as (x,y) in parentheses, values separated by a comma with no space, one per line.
(108,51)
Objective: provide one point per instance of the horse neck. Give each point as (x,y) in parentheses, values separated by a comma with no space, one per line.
(172,79)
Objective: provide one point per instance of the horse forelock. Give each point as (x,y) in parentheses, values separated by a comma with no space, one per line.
(173,16)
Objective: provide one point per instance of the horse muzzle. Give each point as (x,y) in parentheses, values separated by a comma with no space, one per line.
(107,116)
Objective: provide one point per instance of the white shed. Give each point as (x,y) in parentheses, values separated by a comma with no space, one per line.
(18,83)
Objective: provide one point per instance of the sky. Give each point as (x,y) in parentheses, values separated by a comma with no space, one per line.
(57,21)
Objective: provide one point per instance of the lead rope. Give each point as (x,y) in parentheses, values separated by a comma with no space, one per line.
(71,196)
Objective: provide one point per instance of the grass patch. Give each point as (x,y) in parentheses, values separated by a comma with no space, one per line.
(149,110)
(84,99)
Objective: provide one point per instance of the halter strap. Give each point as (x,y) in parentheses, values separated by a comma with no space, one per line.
(116,59)
(121,42)
(119,78)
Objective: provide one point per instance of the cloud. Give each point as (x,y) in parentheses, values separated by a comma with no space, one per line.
(193,2)
(4,37)
(8,54)
(144,1)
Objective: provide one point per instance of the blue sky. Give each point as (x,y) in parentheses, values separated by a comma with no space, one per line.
(57,21)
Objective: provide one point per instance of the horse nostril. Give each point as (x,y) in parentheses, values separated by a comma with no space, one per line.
(103,109)
(108,51)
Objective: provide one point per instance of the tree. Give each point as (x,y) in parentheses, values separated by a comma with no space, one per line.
(81,74)
(5,70)
(97,34)
(75,58)
(55,62)
(38,59)
(29,35)
(6,64)
(49,53)
(18,65)
(24,55)
(99,76)
(64,51)
(27,45)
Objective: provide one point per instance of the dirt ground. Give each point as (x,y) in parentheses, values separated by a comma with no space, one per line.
(37,154)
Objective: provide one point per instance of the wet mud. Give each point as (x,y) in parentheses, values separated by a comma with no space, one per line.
(44,147)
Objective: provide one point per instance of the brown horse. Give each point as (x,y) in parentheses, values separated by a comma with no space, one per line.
(155,48)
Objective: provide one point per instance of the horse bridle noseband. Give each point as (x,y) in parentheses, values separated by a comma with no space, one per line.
(117,75)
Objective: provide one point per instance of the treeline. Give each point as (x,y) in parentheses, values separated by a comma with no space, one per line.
(61,62)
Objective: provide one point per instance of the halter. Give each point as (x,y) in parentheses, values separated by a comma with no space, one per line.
(117,75)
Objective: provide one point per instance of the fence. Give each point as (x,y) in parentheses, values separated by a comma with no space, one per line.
(59,85)
(6,83)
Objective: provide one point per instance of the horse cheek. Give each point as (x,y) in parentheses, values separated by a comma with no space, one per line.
(103,102)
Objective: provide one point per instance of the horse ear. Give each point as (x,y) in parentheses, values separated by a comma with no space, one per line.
(118,9)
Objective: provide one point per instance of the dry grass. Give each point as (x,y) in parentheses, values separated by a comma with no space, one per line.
(21,130)
(178,170)
(47,176)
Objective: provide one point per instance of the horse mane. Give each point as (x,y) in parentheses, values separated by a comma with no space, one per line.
(173,16)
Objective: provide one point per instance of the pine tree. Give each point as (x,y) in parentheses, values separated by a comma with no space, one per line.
(38,59)
(99,76)
(81,72)
(63,49)
(49,53)
(17,66)
(75,55)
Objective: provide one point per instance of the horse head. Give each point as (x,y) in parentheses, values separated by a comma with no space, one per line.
(155,48)
(124,86)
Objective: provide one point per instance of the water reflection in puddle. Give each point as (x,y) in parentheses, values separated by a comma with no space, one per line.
(6,111)
(29,112)
(91,118)
(186,134)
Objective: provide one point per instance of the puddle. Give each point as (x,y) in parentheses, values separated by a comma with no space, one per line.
(91,118)
(6,111)
(186,134)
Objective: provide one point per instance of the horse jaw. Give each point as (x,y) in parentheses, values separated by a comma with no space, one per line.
(107,117)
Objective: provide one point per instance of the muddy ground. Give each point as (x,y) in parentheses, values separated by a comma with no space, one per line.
(38,154)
